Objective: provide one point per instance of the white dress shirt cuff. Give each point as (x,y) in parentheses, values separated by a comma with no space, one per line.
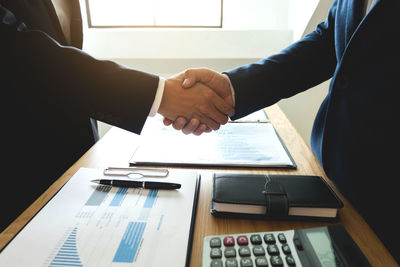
(158,97)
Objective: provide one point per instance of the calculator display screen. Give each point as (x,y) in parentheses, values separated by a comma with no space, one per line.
(323,249)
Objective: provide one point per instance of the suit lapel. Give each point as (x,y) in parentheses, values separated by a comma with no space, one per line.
(370,16)
(55,21)
(354,16)
(76,23)
(359,25)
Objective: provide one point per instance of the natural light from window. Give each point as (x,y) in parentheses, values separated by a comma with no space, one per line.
(154,13)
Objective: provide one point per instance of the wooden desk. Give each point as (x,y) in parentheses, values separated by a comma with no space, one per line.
(116,147)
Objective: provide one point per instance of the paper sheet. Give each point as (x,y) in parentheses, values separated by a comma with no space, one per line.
(94,225)
(247,144)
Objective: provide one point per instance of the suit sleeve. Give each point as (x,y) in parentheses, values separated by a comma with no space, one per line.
(296,68)
(70,80)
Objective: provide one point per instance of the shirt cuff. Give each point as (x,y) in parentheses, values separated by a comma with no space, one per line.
(232,90)
(158,97)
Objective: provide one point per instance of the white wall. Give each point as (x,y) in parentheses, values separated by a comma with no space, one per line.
(270,26)
(184,43)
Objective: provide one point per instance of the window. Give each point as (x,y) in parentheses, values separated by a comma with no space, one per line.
(154,13)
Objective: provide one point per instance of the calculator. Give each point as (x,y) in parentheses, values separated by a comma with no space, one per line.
(321,246)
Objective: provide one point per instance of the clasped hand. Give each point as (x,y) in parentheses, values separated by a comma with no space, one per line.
(197,101)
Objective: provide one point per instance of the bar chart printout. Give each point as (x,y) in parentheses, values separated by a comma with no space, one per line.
(130,242)
(96,225)
(67,254)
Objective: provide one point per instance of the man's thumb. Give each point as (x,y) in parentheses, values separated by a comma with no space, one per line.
(188,82)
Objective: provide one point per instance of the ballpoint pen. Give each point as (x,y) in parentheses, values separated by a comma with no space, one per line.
(138,184)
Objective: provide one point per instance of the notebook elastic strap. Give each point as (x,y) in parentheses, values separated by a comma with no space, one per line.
(276,200)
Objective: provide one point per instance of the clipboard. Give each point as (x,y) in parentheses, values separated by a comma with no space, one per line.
(249,142)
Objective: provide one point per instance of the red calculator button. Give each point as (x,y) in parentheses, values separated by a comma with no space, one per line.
(242,240)
(229,241)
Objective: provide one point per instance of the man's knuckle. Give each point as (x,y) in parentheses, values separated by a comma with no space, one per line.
(203,109)
(188,72)
(208,94)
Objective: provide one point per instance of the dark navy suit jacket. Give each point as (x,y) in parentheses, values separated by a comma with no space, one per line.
(49,93)
(355,133)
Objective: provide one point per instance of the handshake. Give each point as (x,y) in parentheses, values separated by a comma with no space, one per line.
(197,101)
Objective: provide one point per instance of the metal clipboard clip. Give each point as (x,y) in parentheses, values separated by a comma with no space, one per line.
(136,173)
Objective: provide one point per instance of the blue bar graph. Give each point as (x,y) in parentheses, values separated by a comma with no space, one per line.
(98,195)
(148,205)
(119,196)
(151,197)
(130,242)
(67,254)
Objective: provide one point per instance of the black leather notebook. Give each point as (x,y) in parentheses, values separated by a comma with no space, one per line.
(274,196)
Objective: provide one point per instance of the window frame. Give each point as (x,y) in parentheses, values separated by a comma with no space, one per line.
(90,25)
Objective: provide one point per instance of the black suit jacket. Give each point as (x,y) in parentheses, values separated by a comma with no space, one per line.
(49,93)
(354,134)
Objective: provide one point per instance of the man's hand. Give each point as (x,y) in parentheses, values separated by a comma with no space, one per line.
(216,81)
(194,126)
(200,102)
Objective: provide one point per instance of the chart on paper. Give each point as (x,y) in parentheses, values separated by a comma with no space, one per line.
(101,217)
(108,226)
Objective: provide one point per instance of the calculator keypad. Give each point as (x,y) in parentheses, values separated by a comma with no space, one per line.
(250,250)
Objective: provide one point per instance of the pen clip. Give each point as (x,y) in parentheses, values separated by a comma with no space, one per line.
(138,172)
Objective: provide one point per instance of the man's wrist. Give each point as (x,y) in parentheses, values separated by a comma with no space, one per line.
(232,89)
(158,97)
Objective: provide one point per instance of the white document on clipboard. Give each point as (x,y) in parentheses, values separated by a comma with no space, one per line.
(248,142)
(96,225)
